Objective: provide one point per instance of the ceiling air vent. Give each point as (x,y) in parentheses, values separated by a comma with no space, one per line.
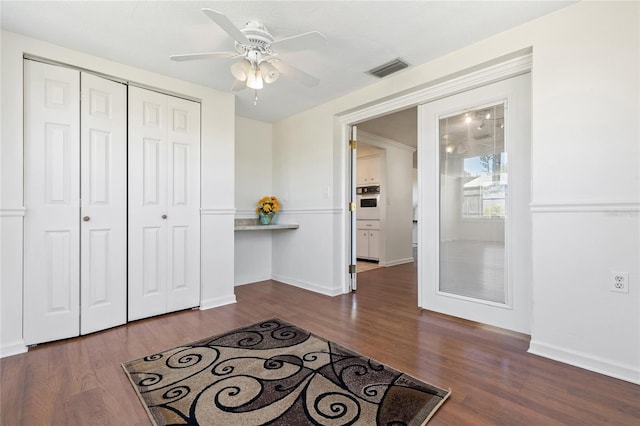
(388,68)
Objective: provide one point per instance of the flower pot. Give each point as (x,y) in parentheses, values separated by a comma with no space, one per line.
(265,218)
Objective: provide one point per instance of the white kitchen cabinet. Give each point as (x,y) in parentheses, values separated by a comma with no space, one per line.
(368,170)
(75,167)
(368,240)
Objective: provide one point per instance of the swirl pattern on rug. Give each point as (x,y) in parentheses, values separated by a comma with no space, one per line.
(274,373)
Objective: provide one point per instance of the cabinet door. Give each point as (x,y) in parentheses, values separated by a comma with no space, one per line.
(362,171)
(368,171)
(51,194)
(103,241)
(374,244)
(374,170)
(147,203)
(362,249)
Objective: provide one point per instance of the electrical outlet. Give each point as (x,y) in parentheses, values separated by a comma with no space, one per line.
(620,282)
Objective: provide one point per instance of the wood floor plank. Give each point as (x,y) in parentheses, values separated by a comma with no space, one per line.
(494,380)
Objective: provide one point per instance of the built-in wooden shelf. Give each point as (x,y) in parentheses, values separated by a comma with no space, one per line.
(254,225)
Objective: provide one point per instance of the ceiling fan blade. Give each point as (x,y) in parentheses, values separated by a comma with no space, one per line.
(310,40)
(224,23)
(210,55)
(297,74)
(238,85)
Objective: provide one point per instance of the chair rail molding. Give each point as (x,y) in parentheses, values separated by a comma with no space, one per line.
(323,211)
(13,212)
(613,208)
(217,211)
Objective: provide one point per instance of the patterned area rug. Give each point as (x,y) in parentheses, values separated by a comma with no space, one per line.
(277,374)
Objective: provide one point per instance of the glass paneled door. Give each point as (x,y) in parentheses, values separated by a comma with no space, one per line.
(474,156)
(473,194)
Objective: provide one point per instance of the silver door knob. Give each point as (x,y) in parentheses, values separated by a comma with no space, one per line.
(164,216)
(86,218)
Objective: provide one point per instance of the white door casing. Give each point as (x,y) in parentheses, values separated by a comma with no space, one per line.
(51,197)
(353,233)
(103,151)
(164,200)
(515,314)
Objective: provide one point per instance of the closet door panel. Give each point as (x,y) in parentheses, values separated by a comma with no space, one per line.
(183,209)
(51,197)
(103,147)
(147,246)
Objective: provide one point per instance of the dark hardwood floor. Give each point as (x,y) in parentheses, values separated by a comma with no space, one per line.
(494,381)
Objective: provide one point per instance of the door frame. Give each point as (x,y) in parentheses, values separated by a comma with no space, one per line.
(512,65)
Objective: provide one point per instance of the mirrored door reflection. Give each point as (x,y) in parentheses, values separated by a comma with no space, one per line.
(473,195)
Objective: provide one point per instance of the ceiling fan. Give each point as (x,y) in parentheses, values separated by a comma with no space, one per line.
(255,46)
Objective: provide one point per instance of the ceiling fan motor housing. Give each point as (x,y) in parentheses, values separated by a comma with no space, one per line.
(259,37)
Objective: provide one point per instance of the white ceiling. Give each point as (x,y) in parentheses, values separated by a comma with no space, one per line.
(360,35)
(401,126)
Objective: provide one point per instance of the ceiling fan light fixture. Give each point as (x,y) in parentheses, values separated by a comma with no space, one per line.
(254,80)
(241,70)
(269,73)
(253,45)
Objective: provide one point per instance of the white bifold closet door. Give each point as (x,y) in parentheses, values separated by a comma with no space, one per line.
(164,203)
(75,167)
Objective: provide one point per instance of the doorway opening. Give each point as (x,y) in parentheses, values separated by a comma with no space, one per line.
(509,307)
(387,182)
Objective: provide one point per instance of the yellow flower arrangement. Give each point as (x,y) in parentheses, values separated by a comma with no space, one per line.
(268,204)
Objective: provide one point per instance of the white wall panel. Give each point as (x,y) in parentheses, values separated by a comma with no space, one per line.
(179,253)
(99,162)
(58,164)
(152,278)
(99,267)
(60,279)
(578,291)
(180,174)
(151,171)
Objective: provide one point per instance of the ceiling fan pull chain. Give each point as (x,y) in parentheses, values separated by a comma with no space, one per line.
(255,100)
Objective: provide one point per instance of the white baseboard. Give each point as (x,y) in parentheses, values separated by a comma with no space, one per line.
(307,286)
(216,302)
(586,361)
(397,262)
(15,348)
(252,280)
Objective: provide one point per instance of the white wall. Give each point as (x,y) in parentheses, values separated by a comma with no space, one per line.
(585,178)
(253,181)
(396,198)
(399,217)
(303,175)
(217,176)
